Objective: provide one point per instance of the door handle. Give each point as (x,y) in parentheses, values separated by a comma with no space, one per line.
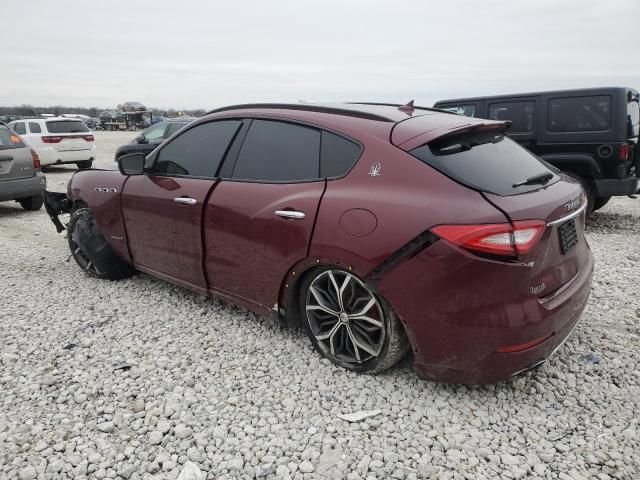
(5,158)
(185,200)
(290,214)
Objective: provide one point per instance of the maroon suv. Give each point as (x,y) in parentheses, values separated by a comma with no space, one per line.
(379,228)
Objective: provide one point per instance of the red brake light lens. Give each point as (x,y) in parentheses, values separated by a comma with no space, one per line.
(495,239)
(51,139)
(36,159)
(88,138)
(624,152)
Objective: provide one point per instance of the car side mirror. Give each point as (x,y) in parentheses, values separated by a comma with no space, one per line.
(132,164)
(141,139)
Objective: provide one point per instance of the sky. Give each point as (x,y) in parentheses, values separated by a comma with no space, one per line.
(205,54)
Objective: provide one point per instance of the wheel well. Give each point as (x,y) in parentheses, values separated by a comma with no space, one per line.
(290,289)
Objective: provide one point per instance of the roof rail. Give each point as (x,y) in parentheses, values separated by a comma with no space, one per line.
(309,107)
(406,106)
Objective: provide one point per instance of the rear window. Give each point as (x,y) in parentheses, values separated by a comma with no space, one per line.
(580,114)
(466,110)
(519,113)
(485,161)
(633,117)
(8,139)
(66,126)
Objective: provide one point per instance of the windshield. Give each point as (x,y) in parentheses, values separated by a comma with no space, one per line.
(486,161)
(67,126)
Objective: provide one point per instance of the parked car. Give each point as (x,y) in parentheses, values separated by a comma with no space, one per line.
(381,229)
(153,136)
(590,134)
(58,140)
(20,176)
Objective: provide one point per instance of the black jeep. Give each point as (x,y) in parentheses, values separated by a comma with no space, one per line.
(590,134)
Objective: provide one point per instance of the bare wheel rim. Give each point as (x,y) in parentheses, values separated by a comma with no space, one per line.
(345,317)
(85,263)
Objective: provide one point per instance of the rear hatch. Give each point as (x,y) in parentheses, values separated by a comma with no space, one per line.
(526,190)
(15,158)
(66,135)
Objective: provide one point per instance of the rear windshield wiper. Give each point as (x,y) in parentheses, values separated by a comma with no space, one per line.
(541,178)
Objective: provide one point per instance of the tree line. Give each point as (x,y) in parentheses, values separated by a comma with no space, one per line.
(34,111)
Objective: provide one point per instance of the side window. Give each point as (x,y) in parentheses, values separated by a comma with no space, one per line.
(580,114)
(19,128)
(154,132)
(173,128)
(198,151)
(520,114)
(468,110)
(34,127)
(337,155)
(279,152)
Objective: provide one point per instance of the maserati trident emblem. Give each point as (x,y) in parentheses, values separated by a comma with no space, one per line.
(375,170)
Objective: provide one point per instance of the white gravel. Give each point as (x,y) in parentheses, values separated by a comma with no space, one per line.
(141,379)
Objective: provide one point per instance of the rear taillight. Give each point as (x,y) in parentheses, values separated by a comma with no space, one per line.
(495,239)
(51,139)
(36,160)
(623,153)
(88,138)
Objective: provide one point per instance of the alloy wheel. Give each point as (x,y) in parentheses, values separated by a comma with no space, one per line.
(345,317)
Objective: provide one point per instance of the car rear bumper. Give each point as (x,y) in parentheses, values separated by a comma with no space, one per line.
(51,156)
(610,187)
(22,187)
(480,327)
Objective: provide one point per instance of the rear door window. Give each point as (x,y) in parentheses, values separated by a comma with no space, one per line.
(279,152)
(580,114)
(198,151)
(338,155)
(468,110)
(485,161)
(34,127)
(66,126)
(8,139)
(519,113)
(20,128)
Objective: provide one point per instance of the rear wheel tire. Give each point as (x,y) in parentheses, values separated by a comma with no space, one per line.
(588,188)
(91,251)
(32,203)
(84,164)
(600,202)
(348,323)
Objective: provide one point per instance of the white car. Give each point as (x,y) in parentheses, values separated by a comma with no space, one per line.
(58,140)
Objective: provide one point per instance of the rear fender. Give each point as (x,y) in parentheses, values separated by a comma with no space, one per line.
(583,165)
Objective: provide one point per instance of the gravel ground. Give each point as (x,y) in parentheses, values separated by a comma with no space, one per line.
(142,379)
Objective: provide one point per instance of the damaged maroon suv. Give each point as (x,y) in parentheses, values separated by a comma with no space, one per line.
(378,228)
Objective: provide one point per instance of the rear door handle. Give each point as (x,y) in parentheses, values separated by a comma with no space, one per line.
(290,214)
(5,158)
(185,200)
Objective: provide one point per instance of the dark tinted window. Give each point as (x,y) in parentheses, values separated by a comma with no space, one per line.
(520,114)
(279,152)
(173,128)
(633,117)
(20,128)
(34,127)
(488,162)
(580,114)
(467,110)
(337,155)
(198,151)
(66,126)
(8,139)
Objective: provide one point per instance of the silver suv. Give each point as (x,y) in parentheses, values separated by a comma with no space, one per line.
(20,176)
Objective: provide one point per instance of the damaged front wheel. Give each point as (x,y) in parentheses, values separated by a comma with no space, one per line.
(91,251)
